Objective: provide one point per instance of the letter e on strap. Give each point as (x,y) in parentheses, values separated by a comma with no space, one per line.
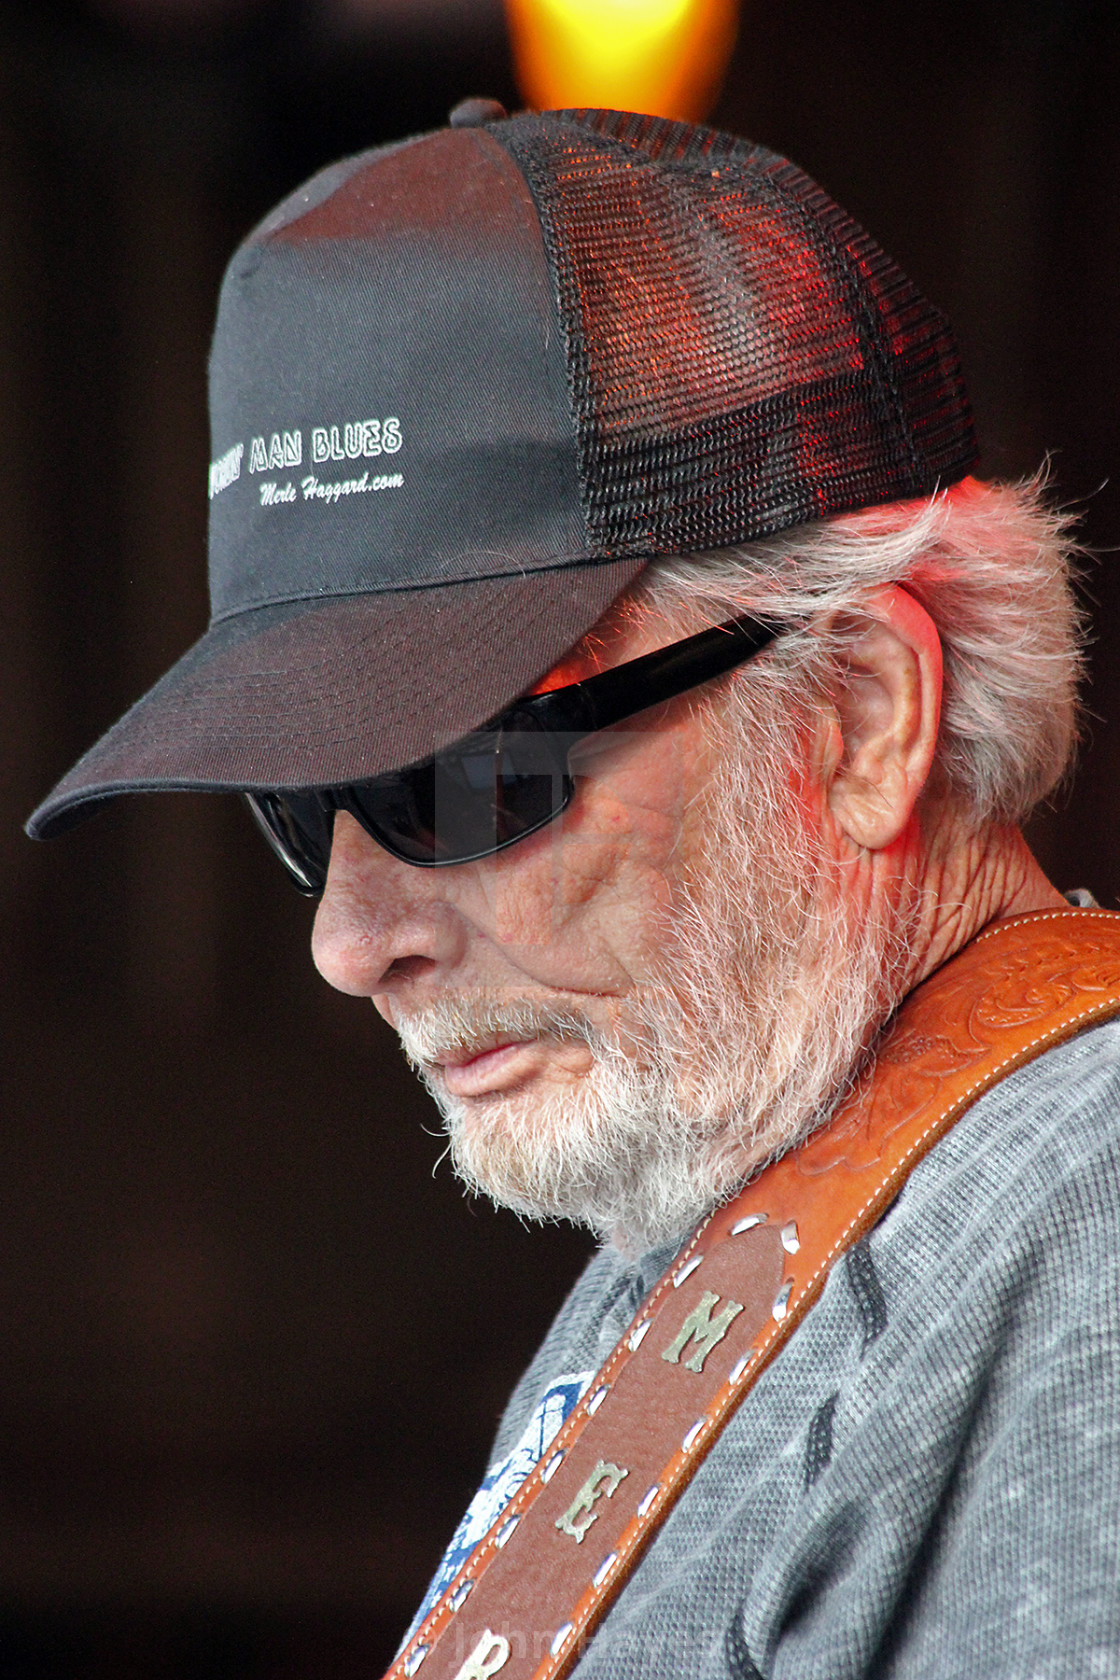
(579,1516)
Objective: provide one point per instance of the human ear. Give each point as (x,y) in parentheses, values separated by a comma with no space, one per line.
(888,706)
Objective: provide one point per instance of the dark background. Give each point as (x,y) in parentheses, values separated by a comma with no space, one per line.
(251,1349)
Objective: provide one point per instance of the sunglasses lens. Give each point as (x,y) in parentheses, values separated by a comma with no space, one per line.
(470,800)
(298,828)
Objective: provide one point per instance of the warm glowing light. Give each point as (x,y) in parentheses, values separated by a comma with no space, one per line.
(663,56)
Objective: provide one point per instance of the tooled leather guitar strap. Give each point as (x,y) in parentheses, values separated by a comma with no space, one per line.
(535,1588)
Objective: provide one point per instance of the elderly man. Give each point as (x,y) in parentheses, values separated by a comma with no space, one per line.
(607,629)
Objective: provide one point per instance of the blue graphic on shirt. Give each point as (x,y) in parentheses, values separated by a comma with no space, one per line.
(502,1481)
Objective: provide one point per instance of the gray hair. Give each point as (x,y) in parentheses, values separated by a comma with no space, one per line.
(990,563)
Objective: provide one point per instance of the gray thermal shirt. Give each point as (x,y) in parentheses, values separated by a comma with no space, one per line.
(926,1482)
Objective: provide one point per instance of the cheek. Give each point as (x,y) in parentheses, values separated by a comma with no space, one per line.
(581,880)
(604,872)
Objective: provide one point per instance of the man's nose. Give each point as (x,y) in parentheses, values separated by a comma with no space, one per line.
(383,926)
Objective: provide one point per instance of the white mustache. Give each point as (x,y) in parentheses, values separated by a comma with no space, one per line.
(459,1027)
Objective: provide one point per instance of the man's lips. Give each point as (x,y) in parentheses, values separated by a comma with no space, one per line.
(475,1073)
(507,1063)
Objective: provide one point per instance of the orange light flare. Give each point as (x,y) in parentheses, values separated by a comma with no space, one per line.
(666,57)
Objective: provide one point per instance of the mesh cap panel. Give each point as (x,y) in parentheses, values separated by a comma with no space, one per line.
(741,355)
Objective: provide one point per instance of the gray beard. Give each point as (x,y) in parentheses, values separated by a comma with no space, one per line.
(771,988)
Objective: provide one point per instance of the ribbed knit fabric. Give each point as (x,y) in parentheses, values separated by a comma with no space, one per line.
(927,1481)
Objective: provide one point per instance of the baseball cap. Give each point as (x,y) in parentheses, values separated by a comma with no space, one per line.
(464,387)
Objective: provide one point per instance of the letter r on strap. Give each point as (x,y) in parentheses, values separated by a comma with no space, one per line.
(489,1655)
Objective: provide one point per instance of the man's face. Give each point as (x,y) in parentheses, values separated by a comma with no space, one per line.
(574,916)
(612,1013)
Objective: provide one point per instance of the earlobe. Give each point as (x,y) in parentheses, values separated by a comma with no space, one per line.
(888,707)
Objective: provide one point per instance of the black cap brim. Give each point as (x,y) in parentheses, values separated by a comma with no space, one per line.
(314,693)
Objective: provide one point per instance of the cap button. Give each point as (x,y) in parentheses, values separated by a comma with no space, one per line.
(474,113)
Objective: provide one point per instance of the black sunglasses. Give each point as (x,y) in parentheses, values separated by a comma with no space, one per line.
(503,781)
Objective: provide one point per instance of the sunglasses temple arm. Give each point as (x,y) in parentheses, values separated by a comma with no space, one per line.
(613,695)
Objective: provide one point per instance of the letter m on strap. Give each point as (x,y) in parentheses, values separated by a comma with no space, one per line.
(700,1327)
